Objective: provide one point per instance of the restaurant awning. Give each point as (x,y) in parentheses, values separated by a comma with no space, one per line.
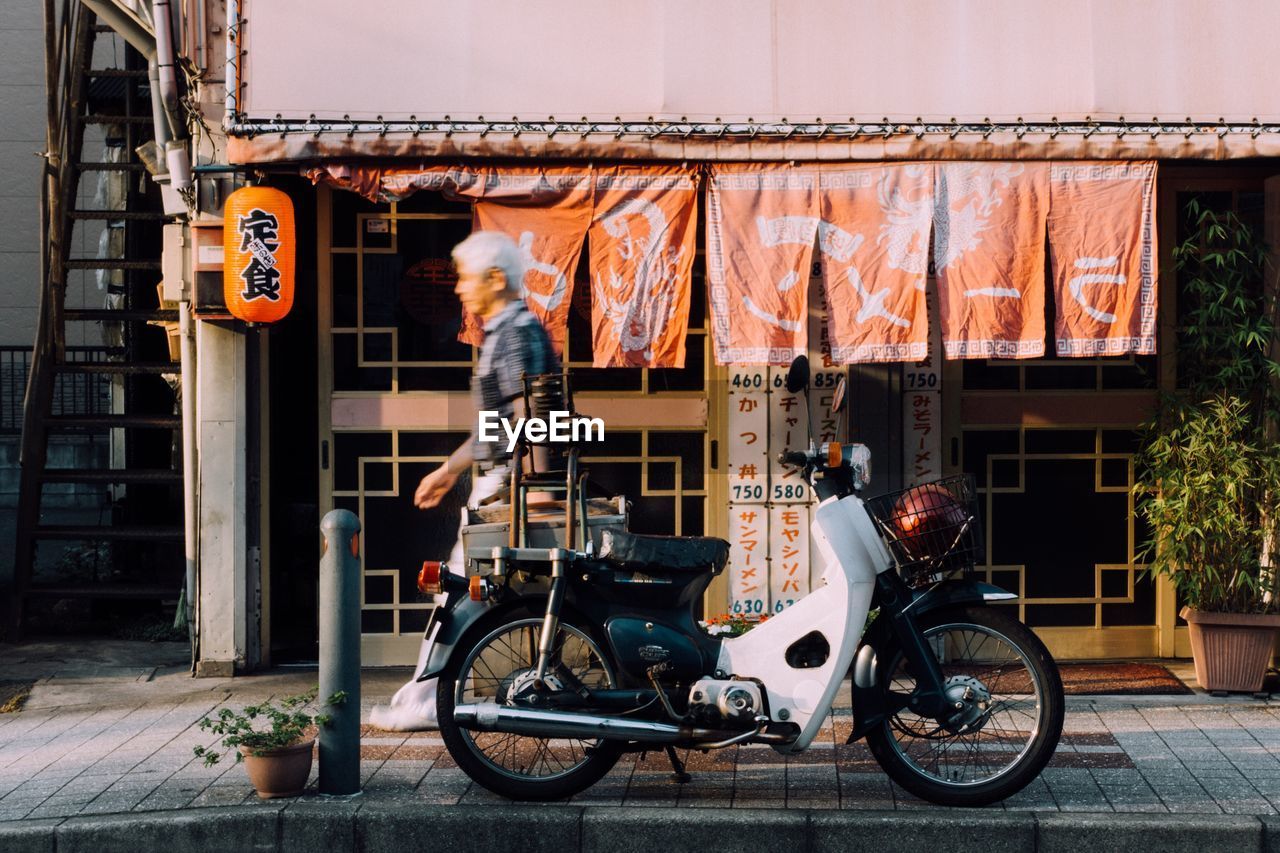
(755,80)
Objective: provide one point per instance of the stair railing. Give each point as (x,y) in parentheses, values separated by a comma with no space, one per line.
(69,33)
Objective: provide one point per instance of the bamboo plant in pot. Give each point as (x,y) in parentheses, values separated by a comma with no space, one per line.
(1208,470)
(277,756)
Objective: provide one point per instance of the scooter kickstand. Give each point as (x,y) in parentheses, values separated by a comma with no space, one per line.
(679,776)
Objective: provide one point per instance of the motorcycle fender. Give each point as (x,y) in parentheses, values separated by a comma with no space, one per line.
(456,619)
(868,700)
(952,593)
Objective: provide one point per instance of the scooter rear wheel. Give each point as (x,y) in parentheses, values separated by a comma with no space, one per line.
(1009,723)
(516,766)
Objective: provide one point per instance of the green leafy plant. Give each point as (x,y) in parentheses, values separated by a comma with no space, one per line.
(288,722)
(1208,470)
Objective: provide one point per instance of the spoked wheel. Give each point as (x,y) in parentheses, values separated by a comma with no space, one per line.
(498,668)
(1008,723)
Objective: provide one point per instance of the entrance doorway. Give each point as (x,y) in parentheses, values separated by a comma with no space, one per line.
(394,402)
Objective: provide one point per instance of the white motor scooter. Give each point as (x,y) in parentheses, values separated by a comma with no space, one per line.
(553,662)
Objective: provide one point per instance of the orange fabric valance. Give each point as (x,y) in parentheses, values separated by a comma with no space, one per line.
(988,224)
(640,222)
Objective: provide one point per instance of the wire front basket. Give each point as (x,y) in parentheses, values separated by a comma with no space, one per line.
(932,530)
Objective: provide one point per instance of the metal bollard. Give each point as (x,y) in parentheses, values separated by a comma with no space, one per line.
(340,652)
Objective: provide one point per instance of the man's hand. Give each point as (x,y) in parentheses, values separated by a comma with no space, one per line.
(434,487)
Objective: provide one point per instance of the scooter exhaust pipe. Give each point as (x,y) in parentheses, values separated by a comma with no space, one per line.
(491,717)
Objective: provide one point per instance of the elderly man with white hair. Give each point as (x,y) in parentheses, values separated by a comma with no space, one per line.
(490,271)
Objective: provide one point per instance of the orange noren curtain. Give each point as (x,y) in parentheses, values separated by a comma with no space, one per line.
(547,212)
(761,223)
(1102,249)
(872,227)
(874,243)
(988,249)
(642,250)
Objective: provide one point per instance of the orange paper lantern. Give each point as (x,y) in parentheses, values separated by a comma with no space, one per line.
(258,249)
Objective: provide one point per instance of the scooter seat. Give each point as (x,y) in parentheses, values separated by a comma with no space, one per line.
(663,554)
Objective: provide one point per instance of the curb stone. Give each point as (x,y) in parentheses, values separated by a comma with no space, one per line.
(407,825)
(854,832)
(235,830)
(28,836)
(309,826)
(1072,832)
(460,829)
(1270,834)
(606,830)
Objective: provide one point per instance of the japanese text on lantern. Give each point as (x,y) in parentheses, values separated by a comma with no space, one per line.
(259,238)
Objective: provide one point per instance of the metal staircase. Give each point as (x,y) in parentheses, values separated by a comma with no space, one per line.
(139,487)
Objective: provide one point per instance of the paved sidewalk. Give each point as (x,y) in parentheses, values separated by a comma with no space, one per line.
(112,736)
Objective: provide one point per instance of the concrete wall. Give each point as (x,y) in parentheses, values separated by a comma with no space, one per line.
(22,134)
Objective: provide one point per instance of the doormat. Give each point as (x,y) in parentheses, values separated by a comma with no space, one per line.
(13,694)
(1120,679)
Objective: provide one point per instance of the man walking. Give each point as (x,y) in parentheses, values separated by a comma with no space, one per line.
(490,270)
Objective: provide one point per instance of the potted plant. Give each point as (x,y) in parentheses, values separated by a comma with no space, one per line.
(278,755)
(1208,481)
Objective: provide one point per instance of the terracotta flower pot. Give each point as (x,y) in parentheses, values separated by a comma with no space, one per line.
(1231,650)
(279,772)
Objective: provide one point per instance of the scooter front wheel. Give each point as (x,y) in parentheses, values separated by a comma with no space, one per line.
(498,665)
(1006,694)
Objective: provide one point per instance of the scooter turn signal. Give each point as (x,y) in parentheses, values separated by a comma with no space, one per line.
(835,457)
(429,577)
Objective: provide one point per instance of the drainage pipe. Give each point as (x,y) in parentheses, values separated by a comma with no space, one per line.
(187,340)
(178,163)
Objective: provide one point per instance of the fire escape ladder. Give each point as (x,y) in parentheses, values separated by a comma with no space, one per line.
(99,388)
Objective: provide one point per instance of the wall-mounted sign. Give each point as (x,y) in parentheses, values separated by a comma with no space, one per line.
(922,412)
(769,503)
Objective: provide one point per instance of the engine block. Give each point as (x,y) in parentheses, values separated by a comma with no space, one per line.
(716,700)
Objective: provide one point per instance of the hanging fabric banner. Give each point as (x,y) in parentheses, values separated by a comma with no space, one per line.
(642,250)
(871,224)
(1102,248)
(761,223)
(988,251)
(873,239)
(547,212)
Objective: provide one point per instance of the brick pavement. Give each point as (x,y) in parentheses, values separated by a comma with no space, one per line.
(119,750)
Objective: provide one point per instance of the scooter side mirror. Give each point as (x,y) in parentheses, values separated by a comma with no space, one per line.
(798,374)
(837,396)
